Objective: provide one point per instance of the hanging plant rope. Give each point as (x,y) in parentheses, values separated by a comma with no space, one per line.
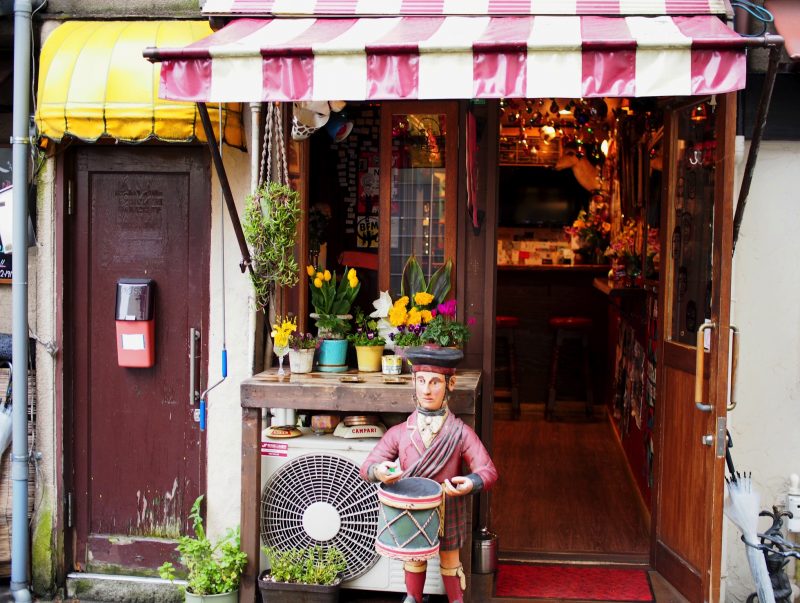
(271,215)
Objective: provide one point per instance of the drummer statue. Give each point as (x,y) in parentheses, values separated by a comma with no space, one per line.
(435,444)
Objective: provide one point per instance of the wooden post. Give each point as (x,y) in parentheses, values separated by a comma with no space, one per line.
(251,479)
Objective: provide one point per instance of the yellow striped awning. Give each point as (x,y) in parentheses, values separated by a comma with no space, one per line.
(94,82)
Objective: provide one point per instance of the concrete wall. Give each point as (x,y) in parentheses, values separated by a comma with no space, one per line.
(766,291)
(103,9)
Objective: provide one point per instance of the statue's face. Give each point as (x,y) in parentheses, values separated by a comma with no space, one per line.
(431,388)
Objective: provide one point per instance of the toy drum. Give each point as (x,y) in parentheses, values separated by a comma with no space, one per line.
(409,519)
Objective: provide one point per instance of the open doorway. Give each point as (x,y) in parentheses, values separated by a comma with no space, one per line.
(579,197)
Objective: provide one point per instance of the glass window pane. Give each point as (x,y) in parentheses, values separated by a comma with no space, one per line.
(693,223)
(417,193)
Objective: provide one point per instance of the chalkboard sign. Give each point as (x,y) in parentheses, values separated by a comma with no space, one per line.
(5,267)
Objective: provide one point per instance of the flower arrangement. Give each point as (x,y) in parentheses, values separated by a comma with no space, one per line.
(366,332)
(303,341)
(653,258)
(623,245)
(591,231)
(282,331)
(332,298)
(444,329)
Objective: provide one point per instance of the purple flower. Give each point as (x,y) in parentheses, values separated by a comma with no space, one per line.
(448,309)
(370,335)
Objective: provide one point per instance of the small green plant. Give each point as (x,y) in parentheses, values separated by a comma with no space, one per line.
(213,568)
(270,221)
(303,342)
(313,565)
(444,329)
(333,326)
(366,332)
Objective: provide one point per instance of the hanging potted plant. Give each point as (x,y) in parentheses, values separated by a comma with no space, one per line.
(213,568)
(307,574)
(332,299)
(368,343)
(270,221)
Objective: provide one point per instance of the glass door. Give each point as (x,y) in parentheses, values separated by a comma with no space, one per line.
(418,199)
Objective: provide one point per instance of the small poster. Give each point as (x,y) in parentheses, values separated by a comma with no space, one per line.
(5,267)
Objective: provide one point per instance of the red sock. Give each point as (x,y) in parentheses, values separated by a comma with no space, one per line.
(452,584)
(415,583)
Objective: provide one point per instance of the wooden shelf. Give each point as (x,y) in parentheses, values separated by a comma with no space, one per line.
(600,268)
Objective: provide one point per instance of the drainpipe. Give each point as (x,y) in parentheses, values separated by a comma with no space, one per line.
(20,546)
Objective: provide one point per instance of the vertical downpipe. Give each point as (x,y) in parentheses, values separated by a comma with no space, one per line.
(20,549)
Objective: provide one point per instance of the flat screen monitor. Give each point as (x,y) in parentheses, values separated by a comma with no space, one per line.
(539,196)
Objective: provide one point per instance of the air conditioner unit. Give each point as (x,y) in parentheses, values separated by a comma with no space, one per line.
(311,494)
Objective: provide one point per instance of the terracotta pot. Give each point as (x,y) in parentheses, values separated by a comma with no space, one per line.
(301,361)
(369,358)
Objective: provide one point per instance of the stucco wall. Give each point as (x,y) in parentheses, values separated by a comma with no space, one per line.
(766,291)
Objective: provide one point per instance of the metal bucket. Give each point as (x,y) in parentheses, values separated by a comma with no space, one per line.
(484,552)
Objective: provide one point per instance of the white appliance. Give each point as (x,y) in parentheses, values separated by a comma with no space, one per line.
(311,493)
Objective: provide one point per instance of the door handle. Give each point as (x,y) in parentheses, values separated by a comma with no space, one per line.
(194,340)
(734,365)
(700,367)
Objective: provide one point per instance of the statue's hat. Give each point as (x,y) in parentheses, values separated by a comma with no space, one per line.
(434,359)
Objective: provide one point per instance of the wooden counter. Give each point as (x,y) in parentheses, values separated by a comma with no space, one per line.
(322,391)
(598,268)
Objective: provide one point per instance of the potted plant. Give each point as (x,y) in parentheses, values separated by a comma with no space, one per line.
(332,299)
(269,223)
(444,330)
(301,352)
(368,343)
(309,575)
(213,568)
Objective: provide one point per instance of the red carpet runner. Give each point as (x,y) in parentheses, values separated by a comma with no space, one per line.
(572,582)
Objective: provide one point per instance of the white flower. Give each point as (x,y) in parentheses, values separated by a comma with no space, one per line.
(385,330)
(382,305)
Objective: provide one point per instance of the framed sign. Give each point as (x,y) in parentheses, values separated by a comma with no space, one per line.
(5,268)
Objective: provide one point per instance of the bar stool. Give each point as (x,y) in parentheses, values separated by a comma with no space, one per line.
(576,328)
(506,328)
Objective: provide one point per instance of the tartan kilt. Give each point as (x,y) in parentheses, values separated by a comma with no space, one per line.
(455,523)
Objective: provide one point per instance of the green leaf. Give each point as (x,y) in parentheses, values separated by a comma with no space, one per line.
(439,285)
(413,280)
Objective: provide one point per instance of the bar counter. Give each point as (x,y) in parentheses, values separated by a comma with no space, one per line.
(323,391)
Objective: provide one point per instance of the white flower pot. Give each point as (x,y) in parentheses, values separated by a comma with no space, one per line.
(301,361)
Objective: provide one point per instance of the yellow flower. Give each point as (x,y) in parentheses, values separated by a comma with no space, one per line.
(351,275)
(606,227)
(320,275)
(579,224)
(422,298)
(426,316)
(414,316)
(326,275)
(310,270)
(318,283)
(289,326)
(402,302)
(397,315)
(353,281)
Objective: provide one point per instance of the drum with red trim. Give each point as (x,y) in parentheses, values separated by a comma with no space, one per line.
(409,519)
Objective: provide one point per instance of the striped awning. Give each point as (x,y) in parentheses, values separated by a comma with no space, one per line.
(296,8)
(455,57)
(94,83)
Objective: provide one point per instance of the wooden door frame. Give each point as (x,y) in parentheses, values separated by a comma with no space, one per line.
(669,564)
(65,199)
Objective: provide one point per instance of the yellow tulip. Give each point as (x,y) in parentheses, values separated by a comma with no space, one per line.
(353,282)
(352,274)
(320,275)
(422,298)
(310,270)
(318,283)
(327,275)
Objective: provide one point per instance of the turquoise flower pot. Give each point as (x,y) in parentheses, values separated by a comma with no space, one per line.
(332,356)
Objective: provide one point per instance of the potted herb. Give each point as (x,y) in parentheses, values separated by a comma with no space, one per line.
(269,223)
(369,345)
(213,568)
(332,299)
(311,574)
(301,352)
(444,330)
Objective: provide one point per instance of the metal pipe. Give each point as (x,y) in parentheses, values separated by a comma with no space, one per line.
(775,44)
(20,545)
(246,262)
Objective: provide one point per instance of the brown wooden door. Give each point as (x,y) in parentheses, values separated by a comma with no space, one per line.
(697,242)
(138,453)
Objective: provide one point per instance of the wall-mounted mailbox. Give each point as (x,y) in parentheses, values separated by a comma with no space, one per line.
(135,317)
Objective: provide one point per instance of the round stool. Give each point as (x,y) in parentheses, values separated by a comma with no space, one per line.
(577,328)
(506,362)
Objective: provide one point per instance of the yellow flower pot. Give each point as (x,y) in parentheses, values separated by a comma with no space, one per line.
(369,358)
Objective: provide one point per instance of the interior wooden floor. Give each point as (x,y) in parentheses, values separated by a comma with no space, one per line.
(564,489)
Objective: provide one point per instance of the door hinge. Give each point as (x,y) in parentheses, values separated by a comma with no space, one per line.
(70,190)
(68,509)
(721,437)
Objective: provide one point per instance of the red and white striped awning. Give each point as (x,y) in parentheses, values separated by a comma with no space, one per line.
(363,8)
(455,57)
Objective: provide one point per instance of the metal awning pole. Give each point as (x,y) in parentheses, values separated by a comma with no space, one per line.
(246,263)
(21,144)
(775,45)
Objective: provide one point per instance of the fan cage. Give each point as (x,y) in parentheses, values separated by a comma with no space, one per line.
(328,478)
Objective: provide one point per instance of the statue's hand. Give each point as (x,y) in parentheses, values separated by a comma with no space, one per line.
(458,486)
(388,472)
